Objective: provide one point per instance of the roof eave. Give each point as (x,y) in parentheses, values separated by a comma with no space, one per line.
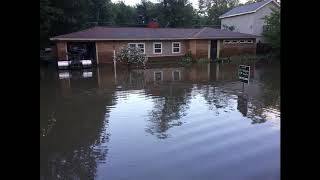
(192,38)
(110,39)
(249,12)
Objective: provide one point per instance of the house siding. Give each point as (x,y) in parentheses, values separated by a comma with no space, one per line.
(166,48)
(242,23)
(227,50)
(198,48)
(105,49)
(250,23)
(258,22)
(202,49)
(62,50)
(105,52)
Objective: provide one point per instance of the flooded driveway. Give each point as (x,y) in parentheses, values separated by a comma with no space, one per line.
(160,123)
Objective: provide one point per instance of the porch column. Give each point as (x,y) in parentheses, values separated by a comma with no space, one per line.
(209,49)
(97,55)
(218,48)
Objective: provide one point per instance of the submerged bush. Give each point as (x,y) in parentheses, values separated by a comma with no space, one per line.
(186,59)
(244,59)
(203,60)
(131,55)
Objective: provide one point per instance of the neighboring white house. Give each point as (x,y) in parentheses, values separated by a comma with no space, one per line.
(249,18)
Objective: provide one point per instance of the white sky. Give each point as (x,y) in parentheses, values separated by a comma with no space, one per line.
(134,2)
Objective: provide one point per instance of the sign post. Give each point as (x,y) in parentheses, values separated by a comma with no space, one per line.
(244,74)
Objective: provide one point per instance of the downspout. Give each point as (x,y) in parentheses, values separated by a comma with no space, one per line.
(218,48)
(97,55)
(66,45)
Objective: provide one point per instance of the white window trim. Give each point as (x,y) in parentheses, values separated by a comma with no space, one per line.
(176,47)
(247,41)
(242,42)
(156,48)
(132,43)
(237,41)
(144,46)
(154,75)
(179,75)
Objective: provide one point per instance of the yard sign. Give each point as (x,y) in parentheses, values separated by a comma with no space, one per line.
(244,73)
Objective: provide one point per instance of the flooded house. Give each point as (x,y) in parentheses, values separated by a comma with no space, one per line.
(102,43)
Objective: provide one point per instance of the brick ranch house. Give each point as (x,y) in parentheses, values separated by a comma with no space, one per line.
(210,43)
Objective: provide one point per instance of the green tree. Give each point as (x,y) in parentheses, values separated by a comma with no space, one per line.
(272,32)
(212,9)
(176,13)
(252,1)
(123,15)
(59,16)
(48,14)
(100,11)
(146,11)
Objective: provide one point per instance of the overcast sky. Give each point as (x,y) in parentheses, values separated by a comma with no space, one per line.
(134,2)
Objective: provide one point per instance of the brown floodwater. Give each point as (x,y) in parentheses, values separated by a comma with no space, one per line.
(160,123)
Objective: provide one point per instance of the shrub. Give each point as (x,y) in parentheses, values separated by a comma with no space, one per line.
(243,59)
(187,59)
(131,55)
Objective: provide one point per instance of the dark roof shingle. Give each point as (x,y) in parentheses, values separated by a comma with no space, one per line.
(133,33)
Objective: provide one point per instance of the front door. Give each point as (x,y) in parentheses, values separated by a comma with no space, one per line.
(213,50)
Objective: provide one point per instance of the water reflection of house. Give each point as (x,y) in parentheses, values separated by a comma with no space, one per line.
(77,80)
(130,79)
(164,74)
(212,72)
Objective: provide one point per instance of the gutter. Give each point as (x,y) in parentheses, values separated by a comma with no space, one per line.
(148,39)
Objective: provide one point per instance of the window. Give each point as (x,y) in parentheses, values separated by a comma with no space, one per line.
(265,28)
(132,44)
(226,41)
(141,46)
(158,76)
(242,41)
(249,41)
(157,48)
(235,41)
(176,75)
(176,47)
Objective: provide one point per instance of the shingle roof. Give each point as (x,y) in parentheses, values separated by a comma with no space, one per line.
(245,9)
(213,33)
(136,33)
